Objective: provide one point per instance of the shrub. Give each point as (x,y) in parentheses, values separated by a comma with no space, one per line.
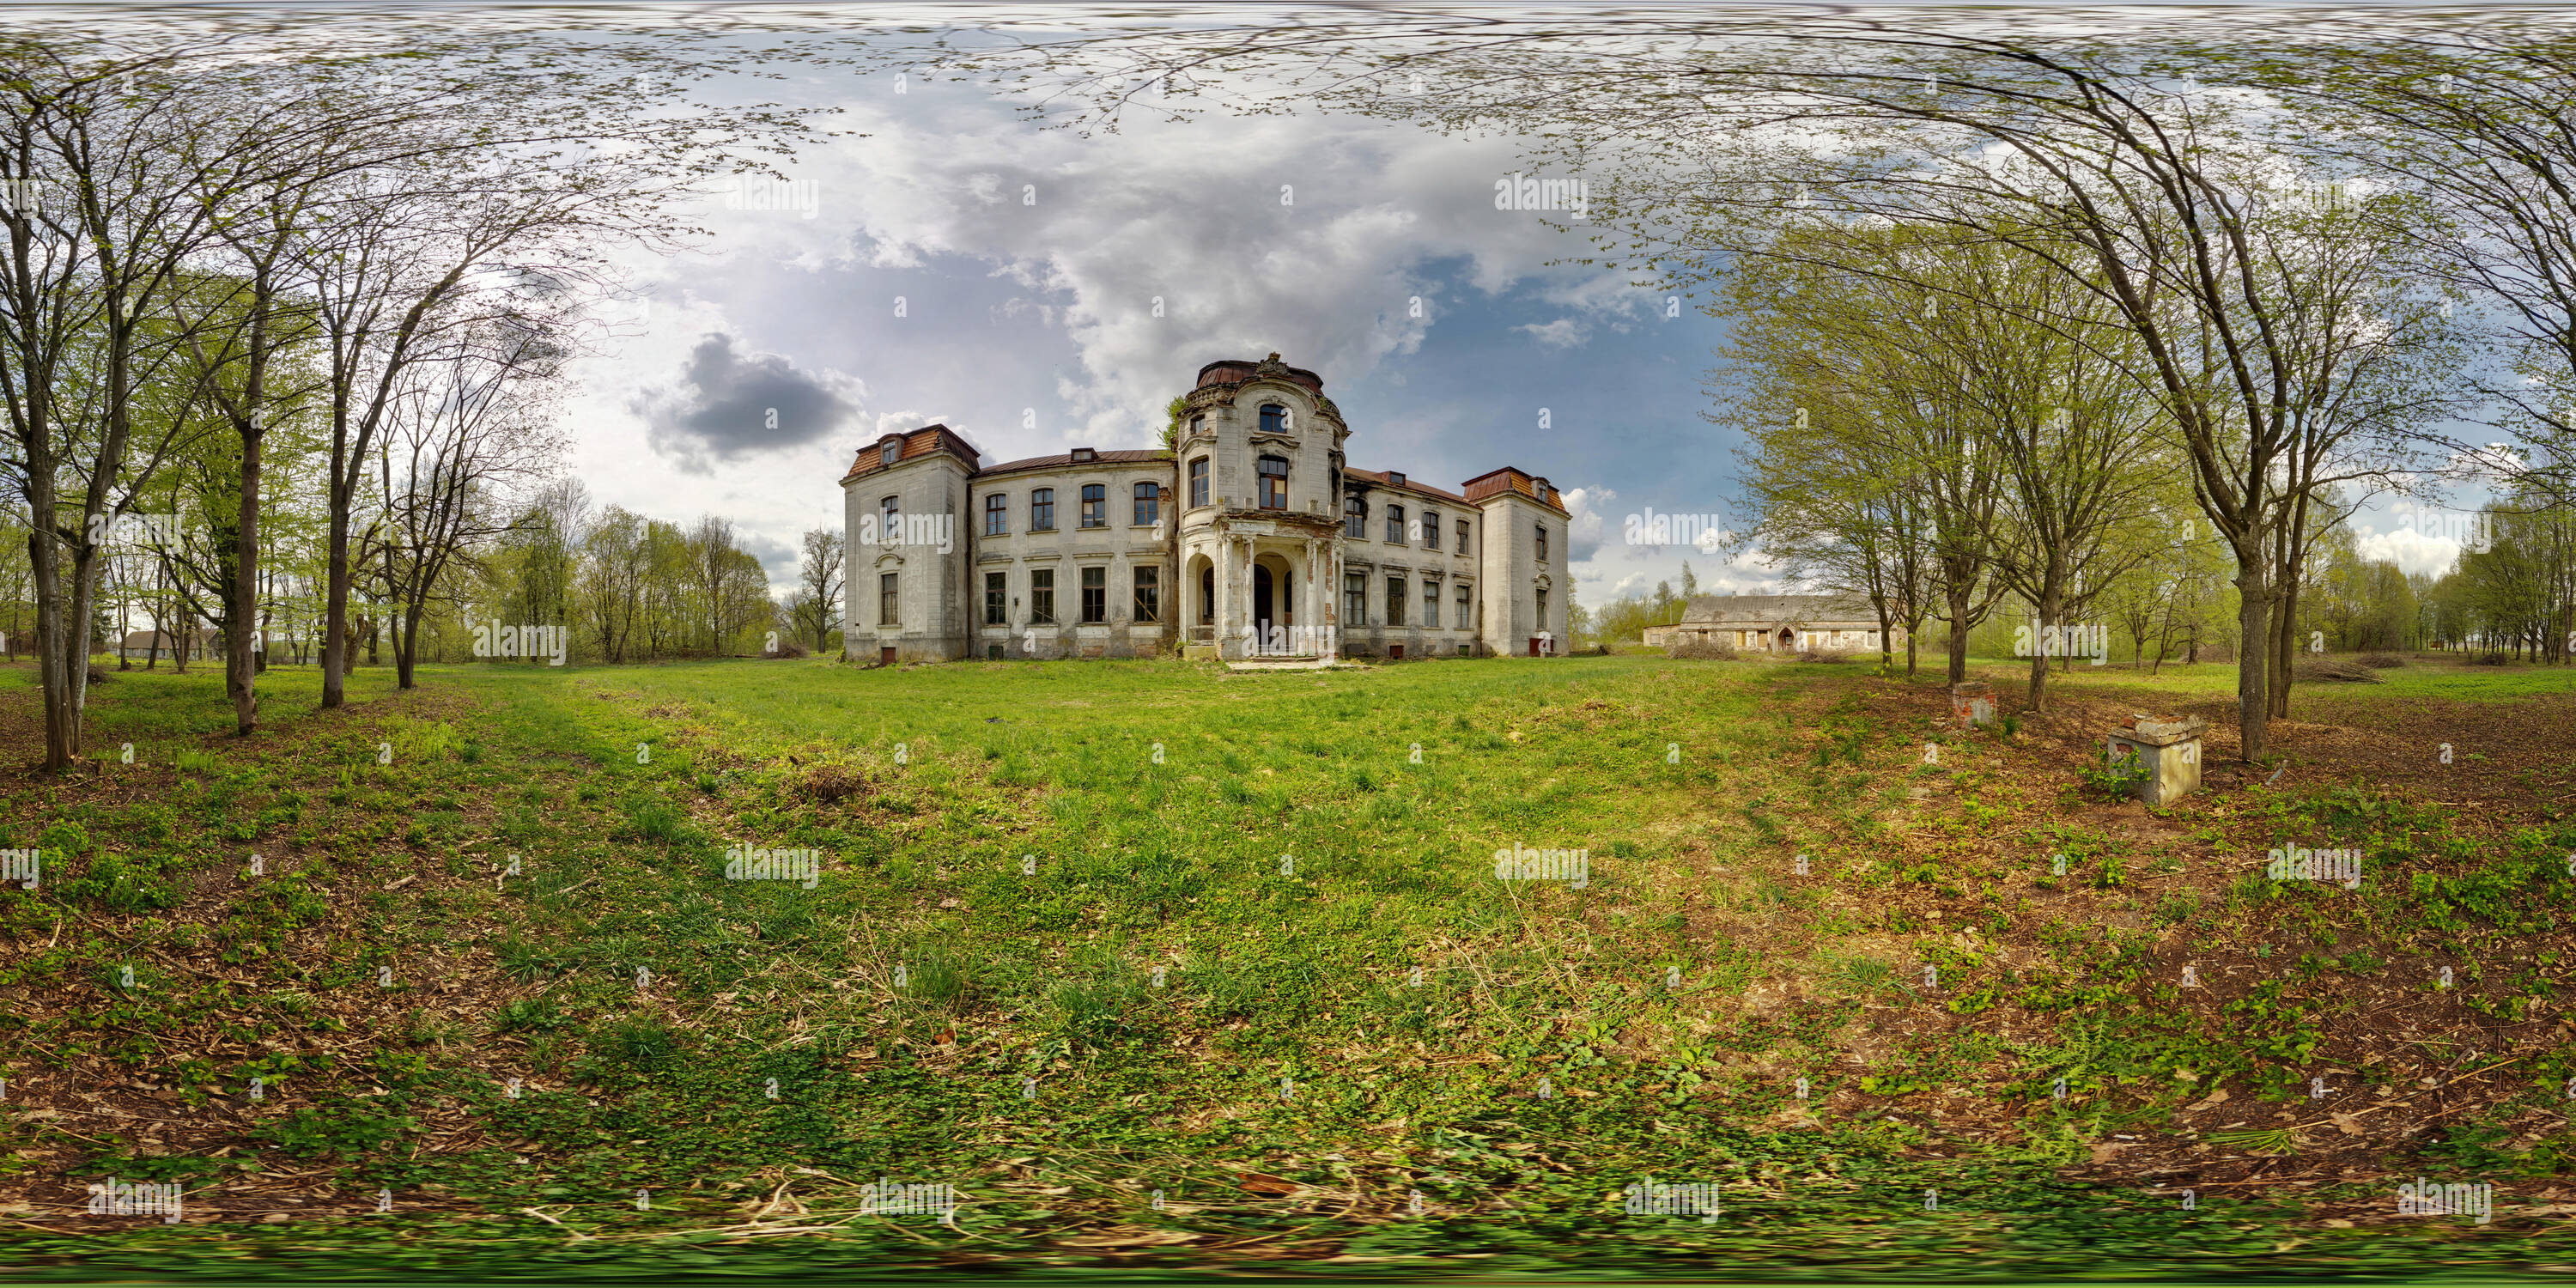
(640,1043)
(1698,646)
(2382,661)
(2119,779)
(939,977)
(830,782)
(529,1013)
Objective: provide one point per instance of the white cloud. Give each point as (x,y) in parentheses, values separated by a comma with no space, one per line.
(2410,550)
(1584,521)
(1563,333)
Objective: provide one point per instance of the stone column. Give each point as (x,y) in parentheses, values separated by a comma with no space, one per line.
(1332,598)
(1224,555)
(1309,616)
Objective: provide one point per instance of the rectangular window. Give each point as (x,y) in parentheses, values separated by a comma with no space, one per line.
(1466,613)
(1354,600)
(1395,601)
(1095,596)
(1430,530)
(1095,505)
(1149,504)
(1274,419)
(885,600)
(1355,519)
(1149,594)
(1199,482)
(997,599)
(1395,524)
(1274,482)
(1430,600)
(997,515)
(1042,597)
(1042,510)
(1462,536)
(1542,543)
(890,521)
(1542,610)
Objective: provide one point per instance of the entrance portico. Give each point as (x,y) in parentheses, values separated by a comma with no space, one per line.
(1256,589)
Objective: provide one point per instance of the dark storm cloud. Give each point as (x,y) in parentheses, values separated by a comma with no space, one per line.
(729,405)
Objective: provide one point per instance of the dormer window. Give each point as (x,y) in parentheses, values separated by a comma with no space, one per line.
(1274,479)
(893,452)
(1084,455)
(1395,477)
(1274,419)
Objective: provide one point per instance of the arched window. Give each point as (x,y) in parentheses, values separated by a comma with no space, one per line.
(1095,505)
(890,521)
(1274,480)
(997,514)
(1274,419)
(893,452)
(1149,503)
(1042,510)
(1355,519)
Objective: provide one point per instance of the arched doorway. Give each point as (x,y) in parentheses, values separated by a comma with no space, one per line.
(1274,604)
(1206,615)
(1788,638)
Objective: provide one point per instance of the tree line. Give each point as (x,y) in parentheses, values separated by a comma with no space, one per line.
(2040,315)
(239,268)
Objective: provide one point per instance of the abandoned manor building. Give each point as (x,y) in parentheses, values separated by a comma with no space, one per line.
(1252,538)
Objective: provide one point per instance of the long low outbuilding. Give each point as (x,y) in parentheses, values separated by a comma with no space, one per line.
(1778,624)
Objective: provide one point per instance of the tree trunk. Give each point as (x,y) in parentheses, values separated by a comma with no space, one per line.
(2045,611)
(2253,658)
(1958,631)
(2285,649)
(335,612)
(407,647)
(241,660)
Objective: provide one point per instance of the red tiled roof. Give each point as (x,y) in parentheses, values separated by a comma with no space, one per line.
(1234,371)
(1065,460)
(1512,479)
(916,443)
(1380,478)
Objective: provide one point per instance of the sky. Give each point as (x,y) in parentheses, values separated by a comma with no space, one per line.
(950,261)
(1036,290)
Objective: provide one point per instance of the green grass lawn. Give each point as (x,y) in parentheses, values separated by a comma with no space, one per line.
(1085,933)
